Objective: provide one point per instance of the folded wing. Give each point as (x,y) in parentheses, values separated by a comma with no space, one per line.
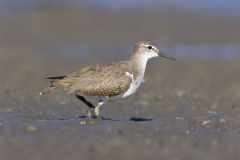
(101,80)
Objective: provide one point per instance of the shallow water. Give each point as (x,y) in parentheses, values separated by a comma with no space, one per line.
(180,51)
(186,109)
(215,124)
(223,7)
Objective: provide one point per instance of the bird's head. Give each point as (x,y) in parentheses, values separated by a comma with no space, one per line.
(149,51)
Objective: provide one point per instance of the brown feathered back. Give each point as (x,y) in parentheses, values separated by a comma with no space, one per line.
(100,80)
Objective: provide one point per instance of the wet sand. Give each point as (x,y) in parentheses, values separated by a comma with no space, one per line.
(61,25)
(188,109)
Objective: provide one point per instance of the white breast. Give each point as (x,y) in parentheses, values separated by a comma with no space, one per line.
(134,85)
(141,62)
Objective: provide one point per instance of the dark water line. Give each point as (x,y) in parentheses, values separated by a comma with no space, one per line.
(221,8)
(181,51)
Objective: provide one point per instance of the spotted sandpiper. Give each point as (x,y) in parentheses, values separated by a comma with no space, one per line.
(109,81)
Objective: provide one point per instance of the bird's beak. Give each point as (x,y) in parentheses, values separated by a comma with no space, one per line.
(164,55)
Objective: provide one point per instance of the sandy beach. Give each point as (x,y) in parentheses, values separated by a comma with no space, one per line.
(188,109)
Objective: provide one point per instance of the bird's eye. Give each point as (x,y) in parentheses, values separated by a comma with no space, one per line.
(149,47)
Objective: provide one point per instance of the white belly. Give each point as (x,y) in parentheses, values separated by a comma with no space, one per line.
(132,89)
(136,81)
(134,86)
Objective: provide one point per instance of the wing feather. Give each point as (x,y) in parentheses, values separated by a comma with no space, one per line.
(101,80)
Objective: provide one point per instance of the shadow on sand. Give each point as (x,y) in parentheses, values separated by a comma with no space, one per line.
(132,119)
(140,119)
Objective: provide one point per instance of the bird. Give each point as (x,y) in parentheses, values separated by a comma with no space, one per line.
(109,81)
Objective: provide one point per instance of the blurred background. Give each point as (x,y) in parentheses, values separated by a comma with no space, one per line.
(184,28)
(188,109)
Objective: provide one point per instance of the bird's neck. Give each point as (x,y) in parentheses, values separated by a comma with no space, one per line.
(139,63)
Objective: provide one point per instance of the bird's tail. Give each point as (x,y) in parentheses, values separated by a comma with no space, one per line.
(53,82)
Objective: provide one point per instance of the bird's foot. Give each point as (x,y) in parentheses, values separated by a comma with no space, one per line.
(86,122)
(90,113)
(90,119)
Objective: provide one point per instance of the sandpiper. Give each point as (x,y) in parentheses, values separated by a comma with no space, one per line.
(109,81)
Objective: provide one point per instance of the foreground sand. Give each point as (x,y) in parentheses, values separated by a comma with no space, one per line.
(187,109)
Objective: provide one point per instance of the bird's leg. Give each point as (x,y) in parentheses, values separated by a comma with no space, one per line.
(90,112)
(97,109)
(91,107)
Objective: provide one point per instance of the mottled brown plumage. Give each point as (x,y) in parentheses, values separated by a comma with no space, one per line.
(109,81)
(100,80)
